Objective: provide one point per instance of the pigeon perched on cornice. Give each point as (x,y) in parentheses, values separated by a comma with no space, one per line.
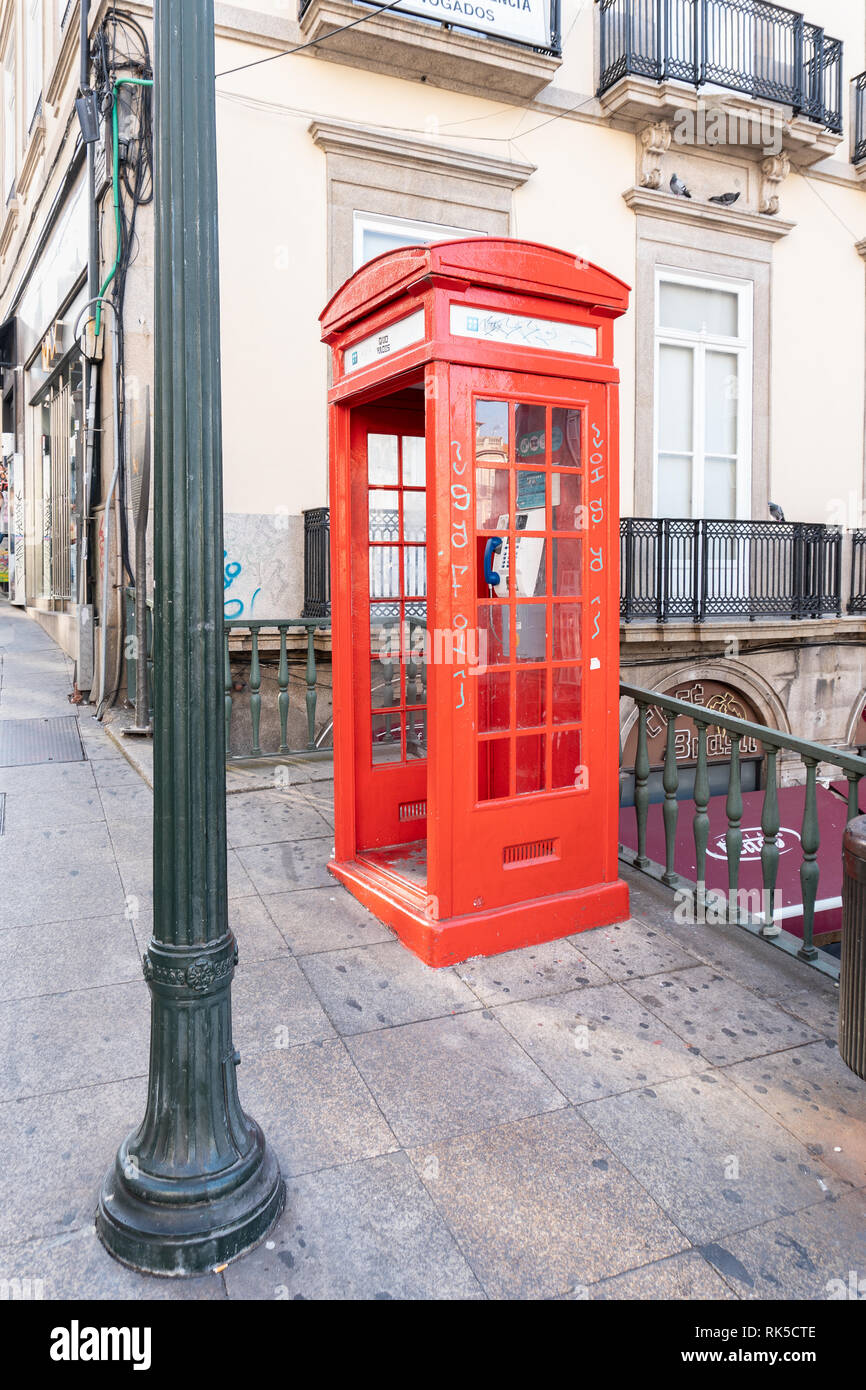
(776,512)
(725,199)
(678,187)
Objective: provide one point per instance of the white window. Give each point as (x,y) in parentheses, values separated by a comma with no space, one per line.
(374,234)
(703,405)
(32,57)
(10,118)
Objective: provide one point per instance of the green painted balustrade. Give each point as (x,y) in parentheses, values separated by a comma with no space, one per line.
(773,743)
(254,629)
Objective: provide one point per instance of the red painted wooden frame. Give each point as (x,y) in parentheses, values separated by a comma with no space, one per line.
(505,866)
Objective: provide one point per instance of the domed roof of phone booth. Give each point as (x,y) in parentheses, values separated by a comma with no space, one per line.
(502,264)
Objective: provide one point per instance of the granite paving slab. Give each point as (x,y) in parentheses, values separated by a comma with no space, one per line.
(382,985)
(76,1266)
(313,1106)
(63,956)
(711,1158)
(263,818)
(279,868)
(256,933)
(77,869)
(367,1230)
(554,967)
(273,1006)
(450,1075)
(597,1042)
(56,1150)
(721,1019)
(818,1254)
(681,1278)
(818,1006)
(814,1095)
(82,1038)
(540,1206)
(631,950)
(324,919)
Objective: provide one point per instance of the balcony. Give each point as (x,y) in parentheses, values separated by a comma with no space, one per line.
(858,153)
(421,41)
(676,569)
(757,52)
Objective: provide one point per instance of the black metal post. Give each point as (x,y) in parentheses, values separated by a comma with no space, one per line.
(196,1184)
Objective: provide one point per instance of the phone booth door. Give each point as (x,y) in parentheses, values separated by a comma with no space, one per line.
(389,617)
(532,817)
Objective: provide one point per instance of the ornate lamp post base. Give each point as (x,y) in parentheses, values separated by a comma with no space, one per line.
(160,1228)
(196,1184)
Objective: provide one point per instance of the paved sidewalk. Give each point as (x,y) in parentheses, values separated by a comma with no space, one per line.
(650,1111)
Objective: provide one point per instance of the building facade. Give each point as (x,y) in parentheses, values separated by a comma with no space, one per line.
(708,152)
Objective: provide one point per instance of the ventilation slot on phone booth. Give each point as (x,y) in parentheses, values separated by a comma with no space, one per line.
(533,852)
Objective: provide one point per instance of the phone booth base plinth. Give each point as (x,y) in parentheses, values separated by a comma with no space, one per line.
(439,943)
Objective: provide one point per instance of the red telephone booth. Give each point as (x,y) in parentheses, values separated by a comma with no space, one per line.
(475,594)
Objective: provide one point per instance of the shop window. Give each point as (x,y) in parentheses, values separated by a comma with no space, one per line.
(60,459)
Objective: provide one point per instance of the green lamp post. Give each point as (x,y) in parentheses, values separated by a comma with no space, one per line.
(196,1184)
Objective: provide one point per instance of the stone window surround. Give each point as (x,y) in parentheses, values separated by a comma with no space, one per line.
(699,251)
(392,175)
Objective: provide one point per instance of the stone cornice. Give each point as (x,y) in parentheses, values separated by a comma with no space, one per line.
(431,156)
(668,208)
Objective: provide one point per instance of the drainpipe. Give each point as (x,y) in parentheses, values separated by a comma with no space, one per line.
(93,226)
(91,369)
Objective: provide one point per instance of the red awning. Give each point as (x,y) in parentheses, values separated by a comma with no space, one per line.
(832,819)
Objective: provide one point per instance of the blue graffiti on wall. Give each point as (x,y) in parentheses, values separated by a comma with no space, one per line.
(234,607)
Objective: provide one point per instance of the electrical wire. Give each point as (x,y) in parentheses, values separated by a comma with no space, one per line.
(123,76)
(311,43)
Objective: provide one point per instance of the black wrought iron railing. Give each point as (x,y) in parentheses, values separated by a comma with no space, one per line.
(674,569)
(699,570)
(748,46)
(317,563)
(859,152)
(857,598)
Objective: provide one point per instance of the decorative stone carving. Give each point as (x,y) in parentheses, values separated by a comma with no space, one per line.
(775,169)
(655,141)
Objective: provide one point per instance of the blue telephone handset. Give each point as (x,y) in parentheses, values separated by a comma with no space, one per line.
(491,548)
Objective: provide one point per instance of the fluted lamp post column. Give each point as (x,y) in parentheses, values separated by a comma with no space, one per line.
(196,1184)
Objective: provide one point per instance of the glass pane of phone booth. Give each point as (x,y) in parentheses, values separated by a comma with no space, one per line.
(390,614)
(397,533)
(530,525)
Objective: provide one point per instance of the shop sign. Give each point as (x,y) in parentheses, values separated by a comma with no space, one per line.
(711,695)
(52,345)
(527,21)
